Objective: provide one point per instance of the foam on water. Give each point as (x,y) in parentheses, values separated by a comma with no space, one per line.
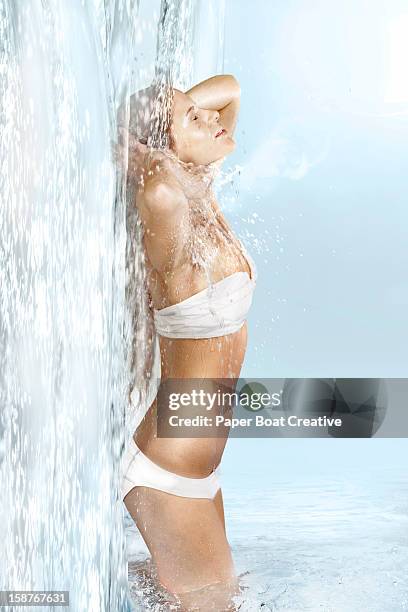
(330,544)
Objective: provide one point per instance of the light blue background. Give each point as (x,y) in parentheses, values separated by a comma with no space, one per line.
(321,204)
(322,141)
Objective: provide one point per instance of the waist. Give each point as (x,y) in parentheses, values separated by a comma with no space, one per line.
(213,357)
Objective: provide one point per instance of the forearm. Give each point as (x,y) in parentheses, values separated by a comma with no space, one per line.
(216,92)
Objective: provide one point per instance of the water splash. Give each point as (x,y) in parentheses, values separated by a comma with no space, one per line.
(68,274)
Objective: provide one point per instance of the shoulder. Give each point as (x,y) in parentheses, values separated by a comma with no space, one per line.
(162,192)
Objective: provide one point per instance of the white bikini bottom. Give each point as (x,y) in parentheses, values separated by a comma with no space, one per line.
(139,471)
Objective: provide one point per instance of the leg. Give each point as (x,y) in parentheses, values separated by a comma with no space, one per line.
(186,539)
(219,504)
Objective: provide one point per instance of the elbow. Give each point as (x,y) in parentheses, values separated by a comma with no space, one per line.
(234,85)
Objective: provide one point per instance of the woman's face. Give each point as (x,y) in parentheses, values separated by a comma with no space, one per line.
(197,135)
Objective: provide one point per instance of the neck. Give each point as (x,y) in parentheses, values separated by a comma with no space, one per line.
(195,179)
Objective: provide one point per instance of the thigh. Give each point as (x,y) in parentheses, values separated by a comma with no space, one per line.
(185,536)
(219,504)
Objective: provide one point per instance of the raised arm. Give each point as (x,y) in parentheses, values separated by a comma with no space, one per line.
(160,200)
(221,93)
(163,210)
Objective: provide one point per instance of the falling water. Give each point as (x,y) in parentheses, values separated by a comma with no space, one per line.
(65,348)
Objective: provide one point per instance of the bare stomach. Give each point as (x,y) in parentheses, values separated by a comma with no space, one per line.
(215,358)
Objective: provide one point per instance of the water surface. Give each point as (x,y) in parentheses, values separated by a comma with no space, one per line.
(329,543)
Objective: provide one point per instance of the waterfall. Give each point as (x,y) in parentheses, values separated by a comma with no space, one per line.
(66,67)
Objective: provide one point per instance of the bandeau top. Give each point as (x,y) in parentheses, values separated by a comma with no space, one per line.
(217,310)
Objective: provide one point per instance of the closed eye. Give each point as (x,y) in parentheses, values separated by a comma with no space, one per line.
(192,113)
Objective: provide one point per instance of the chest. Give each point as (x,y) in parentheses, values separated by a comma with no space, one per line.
(210,252)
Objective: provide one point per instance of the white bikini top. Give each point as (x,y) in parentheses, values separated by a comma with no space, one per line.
(217,310)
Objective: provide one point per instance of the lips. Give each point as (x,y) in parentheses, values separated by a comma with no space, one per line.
(221,132)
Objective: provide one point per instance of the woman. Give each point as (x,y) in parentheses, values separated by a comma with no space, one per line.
(201,281)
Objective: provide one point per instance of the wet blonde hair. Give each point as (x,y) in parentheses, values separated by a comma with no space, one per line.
(150,114)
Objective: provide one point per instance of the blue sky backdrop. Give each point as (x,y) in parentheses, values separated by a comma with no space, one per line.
(322,145)
(322,204)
